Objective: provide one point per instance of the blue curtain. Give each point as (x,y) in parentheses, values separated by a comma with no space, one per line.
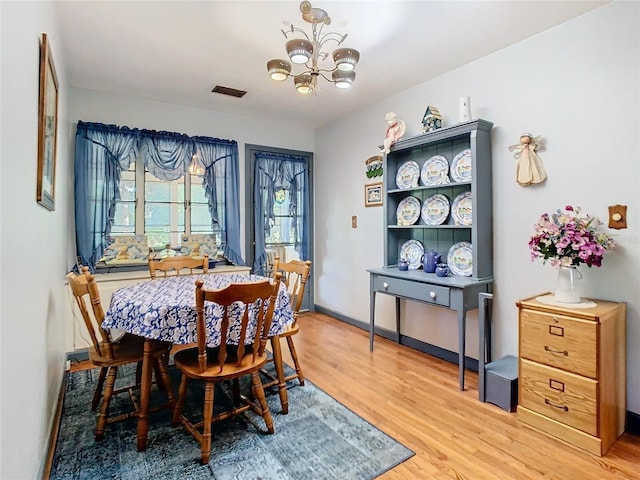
(273,172)
(103,151)
(220,160)
(166,155)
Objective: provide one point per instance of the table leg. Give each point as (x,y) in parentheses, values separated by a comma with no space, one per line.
(145,391)
(397,319)
(372,309)
(462,331)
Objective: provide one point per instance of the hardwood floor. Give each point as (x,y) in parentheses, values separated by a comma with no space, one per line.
(414,398)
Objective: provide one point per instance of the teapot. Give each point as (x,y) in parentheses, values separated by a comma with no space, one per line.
(430,260)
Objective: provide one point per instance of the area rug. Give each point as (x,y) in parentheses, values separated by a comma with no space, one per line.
(320,439)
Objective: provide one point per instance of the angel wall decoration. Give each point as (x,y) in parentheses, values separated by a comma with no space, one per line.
(395,130)
(530,169)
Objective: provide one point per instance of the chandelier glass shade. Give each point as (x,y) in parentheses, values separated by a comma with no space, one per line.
(309,51)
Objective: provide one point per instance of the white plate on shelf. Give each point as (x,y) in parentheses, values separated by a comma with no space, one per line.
(460,259)
(462,209)
(412,251)
(435,209)
(407,175)
(461,166)
(408,211)
(435,171)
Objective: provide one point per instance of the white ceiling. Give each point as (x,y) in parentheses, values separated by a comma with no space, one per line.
(177,51)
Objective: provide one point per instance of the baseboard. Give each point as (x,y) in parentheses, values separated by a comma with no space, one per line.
(633,423)
(55,429)
(424,347)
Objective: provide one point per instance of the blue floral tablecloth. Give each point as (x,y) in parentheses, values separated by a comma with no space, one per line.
(164,309)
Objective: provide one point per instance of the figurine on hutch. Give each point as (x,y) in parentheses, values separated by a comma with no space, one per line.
(395,130)
(432,120)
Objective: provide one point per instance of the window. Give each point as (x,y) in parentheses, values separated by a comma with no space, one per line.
(162,210)
(282,231)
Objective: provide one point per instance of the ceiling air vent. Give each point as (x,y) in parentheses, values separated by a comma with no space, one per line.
(232,92)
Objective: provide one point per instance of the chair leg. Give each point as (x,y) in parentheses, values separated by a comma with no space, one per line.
(177,409)
(296,363)
(164,379)
(256,385)
(108,392)
(208,416)
(158,375)
(97,395)
(278,363)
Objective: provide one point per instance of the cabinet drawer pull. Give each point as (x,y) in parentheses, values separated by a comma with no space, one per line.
(557,352)
(432,294)
(560,407)
(556,385)
(385,285)
(557,331)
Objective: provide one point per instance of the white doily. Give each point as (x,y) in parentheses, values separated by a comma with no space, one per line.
(549,299)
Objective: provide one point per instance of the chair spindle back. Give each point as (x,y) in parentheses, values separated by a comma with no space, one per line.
(84,286)
(295,274)
(177,264)
(256,299)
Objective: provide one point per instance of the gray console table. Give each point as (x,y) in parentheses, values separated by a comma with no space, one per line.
(454,292)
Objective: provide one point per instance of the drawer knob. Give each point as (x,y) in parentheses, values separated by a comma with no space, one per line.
(432,294)
(557,352)
(385,285)
(559,407)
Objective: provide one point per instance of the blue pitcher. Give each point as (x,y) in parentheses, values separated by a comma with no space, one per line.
(430,260)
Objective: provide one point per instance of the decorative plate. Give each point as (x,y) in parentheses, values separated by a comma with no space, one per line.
(408,211)
(435,209)
(461,166)
(460,259)
(412,251)
(435,171)
(408,174)
(462,209)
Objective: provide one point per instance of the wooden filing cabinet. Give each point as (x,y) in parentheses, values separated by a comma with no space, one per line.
(572,371)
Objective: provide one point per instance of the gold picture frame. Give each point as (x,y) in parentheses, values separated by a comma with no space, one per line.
(47,127)
(373,194)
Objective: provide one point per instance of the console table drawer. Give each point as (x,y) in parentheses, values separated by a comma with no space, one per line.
(423,292)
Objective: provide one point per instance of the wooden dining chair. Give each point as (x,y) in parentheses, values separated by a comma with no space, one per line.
(108,355)
(177,265)
(295,274)
(231,360)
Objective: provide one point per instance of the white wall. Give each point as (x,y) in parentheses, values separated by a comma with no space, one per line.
(577,85)
(36,244)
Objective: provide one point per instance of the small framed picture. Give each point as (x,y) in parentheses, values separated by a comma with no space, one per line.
(373,194)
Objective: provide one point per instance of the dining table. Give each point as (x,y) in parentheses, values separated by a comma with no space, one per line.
(163,310)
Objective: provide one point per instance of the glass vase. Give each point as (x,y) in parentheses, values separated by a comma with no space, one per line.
(567,285)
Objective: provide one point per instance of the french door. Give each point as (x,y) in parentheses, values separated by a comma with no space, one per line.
(279,212)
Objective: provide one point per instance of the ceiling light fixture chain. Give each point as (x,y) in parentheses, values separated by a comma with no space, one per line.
(309,52)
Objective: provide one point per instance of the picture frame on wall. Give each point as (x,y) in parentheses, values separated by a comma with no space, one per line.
(47,127)
(373,194)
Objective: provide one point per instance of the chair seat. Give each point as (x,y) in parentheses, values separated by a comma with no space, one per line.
(128,349)
(187,361)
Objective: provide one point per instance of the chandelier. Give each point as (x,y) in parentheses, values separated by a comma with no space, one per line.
(308,51)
